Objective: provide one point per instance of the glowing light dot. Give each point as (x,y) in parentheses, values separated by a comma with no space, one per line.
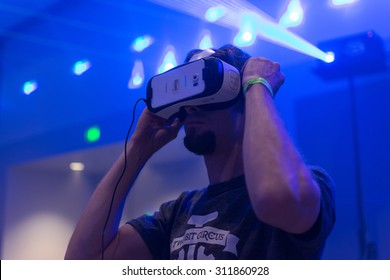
(206,42)
(137,75)
(293,15)
(342,2)
(244,39)
(76,166)
(142,43)
(168,66)
(169,60)
(214,13)
(80,67)
(29,87)
(137,80)
(247,36)
(329,58)
(92,134)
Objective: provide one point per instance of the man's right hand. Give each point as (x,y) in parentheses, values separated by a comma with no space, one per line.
(153,132)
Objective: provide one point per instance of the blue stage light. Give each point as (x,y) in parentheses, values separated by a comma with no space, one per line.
(137,80)
(247,34)
(169,60)
(265,26)
(244,39)
(342,2)
(29,87)
(80,67)
(330,57)
(293,16)
(137,75)
(142,43)
(214,13)
(355,55)
(205,42)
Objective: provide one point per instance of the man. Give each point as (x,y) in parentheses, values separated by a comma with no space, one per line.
(263,202)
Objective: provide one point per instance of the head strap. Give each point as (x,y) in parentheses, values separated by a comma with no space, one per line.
(202,54)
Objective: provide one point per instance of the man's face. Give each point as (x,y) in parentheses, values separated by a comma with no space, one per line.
(210,131)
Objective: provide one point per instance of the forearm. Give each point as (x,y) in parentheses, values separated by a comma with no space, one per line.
(279,183)
(151,134)
(86,241)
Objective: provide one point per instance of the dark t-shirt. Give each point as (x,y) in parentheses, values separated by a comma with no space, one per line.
(218,222)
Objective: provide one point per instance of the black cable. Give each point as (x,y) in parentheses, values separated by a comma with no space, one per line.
(121,176)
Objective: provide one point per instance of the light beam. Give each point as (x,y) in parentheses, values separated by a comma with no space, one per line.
(265,26)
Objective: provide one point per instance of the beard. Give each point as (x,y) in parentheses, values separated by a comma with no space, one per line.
(203,144)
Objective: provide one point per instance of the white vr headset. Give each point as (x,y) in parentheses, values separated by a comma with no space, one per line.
(204,81)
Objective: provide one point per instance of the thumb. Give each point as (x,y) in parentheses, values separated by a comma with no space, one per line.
(176,125)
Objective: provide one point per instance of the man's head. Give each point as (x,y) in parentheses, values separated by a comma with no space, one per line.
(205,129)
(231,55)
(228,53)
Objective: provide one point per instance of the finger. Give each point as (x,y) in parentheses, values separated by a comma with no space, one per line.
(176,124)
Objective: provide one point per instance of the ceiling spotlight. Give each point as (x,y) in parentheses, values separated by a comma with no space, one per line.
(137,75)
(293,16)
(214,13)
(169,60)
(247,34)
(29,87)
(76,166)
(244,39)
(206,42)
(264,26)
(80,67)
(142,42)
(338,3)
(329,58)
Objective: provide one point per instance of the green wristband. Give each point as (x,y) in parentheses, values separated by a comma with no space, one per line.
(258,81)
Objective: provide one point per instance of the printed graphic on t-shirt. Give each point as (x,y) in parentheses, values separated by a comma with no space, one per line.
(193,243)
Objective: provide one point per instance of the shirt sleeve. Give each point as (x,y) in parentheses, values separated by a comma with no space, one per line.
(320,231)
(155,229)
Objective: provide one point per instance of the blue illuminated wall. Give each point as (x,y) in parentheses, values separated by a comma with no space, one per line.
(325,131)
(46,50)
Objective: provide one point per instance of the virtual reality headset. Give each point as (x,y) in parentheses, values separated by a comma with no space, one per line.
(205,82)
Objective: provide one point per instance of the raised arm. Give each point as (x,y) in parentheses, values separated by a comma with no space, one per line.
(120,243)
(281,189)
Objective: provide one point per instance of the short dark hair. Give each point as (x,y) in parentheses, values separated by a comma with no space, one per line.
(228,53)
